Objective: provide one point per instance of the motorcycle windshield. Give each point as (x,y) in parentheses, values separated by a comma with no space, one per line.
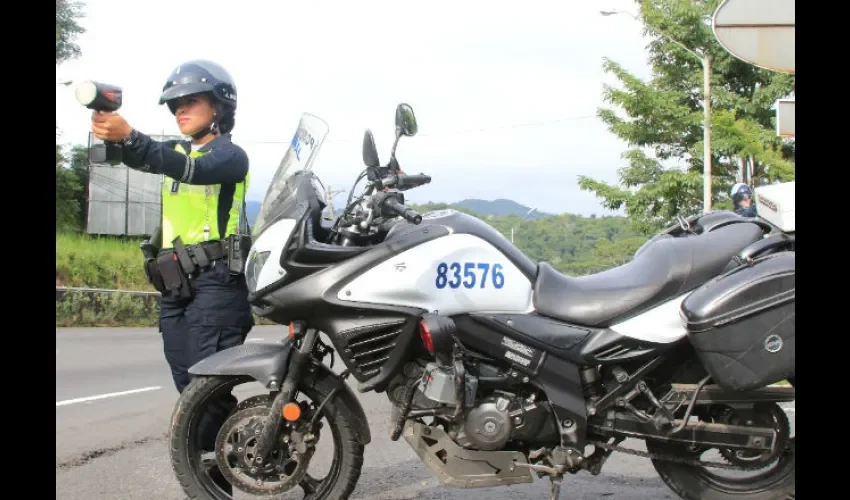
(282,200)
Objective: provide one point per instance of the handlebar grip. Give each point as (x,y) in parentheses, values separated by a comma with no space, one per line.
(408,213)
(412,216)
(417,179)
(413,180)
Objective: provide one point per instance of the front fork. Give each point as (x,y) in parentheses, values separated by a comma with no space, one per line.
(271,427)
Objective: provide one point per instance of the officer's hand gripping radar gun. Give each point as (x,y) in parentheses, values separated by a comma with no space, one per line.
(101,97)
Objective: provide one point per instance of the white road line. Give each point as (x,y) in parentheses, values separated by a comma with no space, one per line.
(253,340)
(105,396)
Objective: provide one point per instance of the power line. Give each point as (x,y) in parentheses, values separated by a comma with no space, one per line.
(104,182)
(111,186)
(452,132)
(121,191)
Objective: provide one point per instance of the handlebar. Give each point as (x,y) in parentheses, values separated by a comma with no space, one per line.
(408,213)
(415,180)
(404,181)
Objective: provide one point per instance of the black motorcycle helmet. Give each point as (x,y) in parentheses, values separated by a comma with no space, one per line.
(203,77)
(739,193)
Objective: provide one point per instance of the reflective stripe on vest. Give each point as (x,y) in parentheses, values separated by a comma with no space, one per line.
(191,211)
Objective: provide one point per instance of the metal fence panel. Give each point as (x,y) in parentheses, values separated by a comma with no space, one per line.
(123,201)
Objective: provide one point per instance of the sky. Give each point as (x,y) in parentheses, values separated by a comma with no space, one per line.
(505,94)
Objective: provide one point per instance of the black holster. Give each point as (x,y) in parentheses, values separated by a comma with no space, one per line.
(168,272)
(168,277)
(153,274)
(238,246)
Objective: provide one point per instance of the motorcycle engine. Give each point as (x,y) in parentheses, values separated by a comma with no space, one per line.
(488,426)
(494,419)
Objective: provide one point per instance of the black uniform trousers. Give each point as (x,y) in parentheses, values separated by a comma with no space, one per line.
(217,317)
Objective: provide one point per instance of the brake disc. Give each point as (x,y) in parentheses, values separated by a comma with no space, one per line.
(236,456)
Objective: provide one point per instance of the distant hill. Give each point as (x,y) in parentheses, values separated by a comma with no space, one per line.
(573,244)
(499,207)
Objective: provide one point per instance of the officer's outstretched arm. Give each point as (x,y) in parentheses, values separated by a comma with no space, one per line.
(225,164)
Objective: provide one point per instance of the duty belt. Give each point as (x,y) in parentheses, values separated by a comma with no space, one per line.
(199,255)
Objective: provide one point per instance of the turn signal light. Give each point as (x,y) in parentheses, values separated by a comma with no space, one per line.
(437,333)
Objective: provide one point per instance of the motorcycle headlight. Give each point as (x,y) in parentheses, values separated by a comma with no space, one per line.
(263,268)
(256,261)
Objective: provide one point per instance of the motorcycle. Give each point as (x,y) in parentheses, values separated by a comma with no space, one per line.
(499,369)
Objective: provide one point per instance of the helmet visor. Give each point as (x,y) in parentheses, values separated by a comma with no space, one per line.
(183,89)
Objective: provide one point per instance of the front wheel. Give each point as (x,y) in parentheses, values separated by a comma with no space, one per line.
(231,462)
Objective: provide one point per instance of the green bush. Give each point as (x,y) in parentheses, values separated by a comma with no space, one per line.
(99,262)
(82,308)
(91,308)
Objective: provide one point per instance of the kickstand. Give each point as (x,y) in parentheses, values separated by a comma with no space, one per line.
(555,487)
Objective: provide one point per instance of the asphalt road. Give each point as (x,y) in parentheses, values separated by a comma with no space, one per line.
(114,397)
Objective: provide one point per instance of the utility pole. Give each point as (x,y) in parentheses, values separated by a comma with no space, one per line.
(329,195)
(706,128)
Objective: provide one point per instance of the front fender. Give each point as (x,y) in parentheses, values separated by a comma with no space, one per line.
(268,363)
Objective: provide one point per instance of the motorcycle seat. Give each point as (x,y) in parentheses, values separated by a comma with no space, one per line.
(661,271)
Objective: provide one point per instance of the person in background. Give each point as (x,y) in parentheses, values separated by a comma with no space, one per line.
(204,307)
(742,199)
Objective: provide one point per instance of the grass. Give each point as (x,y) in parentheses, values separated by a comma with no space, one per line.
(84,261)
(92,262)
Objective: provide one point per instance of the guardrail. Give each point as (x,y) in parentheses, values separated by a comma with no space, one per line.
(84,306)
(61,290)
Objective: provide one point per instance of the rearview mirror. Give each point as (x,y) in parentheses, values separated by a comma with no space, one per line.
(370,151)
(405,120)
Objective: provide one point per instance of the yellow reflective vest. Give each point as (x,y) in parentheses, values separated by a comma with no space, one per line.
(191,211)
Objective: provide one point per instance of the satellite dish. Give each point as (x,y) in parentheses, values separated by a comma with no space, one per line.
(760,32)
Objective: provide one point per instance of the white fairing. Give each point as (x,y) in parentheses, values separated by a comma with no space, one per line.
(458,273)
(268,248)
(662,324)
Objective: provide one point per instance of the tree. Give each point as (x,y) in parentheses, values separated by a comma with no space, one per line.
(79,165)
(67,30)
(72,181)
(665,117)
(68,189)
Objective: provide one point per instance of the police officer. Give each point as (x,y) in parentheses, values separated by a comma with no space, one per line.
(203,198)
(742,199)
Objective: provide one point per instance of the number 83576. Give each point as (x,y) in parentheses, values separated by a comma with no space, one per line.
(469,275)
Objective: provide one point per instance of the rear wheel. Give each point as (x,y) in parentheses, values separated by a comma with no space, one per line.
(762,477)
(225,471)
